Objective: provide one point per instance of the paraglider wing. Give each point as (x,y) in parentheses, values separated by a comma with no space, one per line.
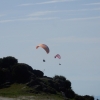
(57,56)
(45,47)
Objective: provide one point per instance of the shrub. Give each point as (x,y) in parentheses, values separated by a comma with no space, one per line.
(21,73)
(70,93)
(38,73)
(9,61)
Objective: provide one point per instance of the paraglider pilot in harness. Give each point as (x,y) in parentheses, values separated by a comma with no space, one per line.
(43,60)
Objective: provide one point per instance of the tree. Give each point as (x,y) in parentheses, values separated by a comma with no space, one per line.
(38,73)
(0,62)
(2,76)
(57,77)
(9,61)
(21,73)
(69,93)
(62,83)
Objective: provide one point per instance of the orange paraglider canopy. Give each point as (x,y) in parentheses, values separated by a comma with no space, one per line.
(45,47)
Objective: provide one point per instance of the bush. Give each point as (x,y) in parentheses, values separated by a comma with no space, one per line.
(0,62)
(2,76)
(87,97)
(61,84)
(5,75)
(9,61)
(69,93)
(38,73)
(49,89)
(21,73)
(56,77)
(67,84)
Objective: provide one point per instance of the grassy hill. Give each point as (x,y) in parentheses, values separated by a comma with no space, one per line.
(22,92)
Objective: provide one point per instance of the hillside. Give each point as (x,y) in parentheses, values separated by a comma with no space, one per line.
(20,79)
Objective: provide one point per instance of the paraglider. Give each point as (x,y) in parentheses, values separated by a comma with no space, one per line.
(57,56)
(45,47)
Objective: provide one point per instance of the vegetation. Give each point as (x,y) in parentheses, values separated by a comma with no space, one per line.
(20,79)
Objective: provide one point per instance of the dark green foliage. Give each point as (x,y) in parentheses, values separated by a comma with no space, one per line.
(49,89)
(9,61)
(2,76)
(51,83)
(38,73)
(33,82)
(5,75)
(78,97)
(57,77)
(68,84)
(86,97)
(6,64)
(69,93)
(38,87)
(41,85)
(61,84)
(0,62)
(21,73)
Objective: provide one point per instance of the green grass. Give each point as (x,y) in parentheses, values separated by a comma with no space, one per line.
(21,90)
(14,90)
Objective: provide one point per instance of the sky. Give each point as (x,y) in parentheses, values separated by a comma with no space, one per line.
(70,28)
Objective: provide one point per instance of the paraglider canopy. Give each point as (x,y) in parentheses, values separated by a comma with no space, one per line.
(57,56)
(45,47)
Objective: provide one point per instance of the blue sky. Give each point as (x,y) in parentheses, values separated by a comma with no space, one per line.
(70,28)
